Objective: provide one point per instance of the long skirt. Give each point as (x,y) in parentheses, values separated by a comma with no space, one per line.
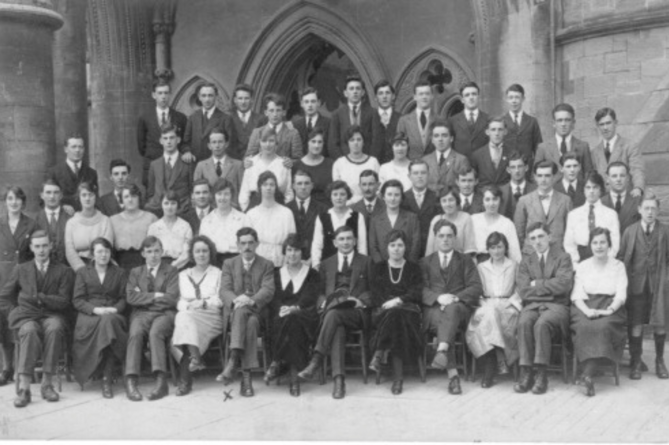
(197,328)
(494,325)
(293,336)
(92,334)
(602,337)
(398,330)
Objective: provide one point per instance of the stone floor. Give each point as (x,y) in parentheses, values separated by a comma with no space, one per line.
(637,411)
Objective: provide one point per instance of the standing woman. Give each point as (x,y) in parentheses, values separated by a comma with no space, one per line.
(317,165)
(130,228)
(84,227)
(273,221)
(348,167)
(293,314)
(398,167)
(598,316)
(101,332)
(394,218)
(397,292)
(465,242)
(173,232)
(491,221)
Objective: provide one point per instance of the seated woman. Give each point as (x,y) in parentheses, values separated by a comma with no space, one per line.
(491,221)
(449,199)
(328,222)
(293,314)
(273,221)
(598,316)
(130,228)
(491,333)
(348,167)
(199,318)
(173,232)
(84,227)
(397,290)
(101,331)
(317,165)
(398,168)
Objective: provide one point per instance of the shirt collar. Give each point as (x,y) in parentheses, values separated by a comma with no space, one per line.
(612,142)
(297,280)
(350,106)
(549,194)
(448,256)
(513,115)
(248,264)
(469,112)
(419,194)
(277,127)
(566,183)
(340,258)
(426,111)
(313,118)
(383,111)
(614,196)
(244,115)
(46,264)
(463,197)
(160,111)
(171,158)
(55,211)
(208,113)
(72,164)
(644,226)
(304,202)
(522,186)
(567,139)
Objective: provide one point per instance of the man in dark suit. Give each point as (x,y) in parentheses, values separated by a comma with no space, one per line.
(305,210)
(370,205)
(444,162)
(522,130)
(168,173)
(491,161)
(72,172)
(421,200)
(353,112)
(564,120)
(52,218)
(544,281)
(384,122)
(346,274)
(417,123)
(288,142)
(247,286)
(149,123)
(37,295)
(619,197)
(451,291)
(152,292)
(111,203)
(201,200)
(244,119)
(471,201)
(570,184)
(470,124)
(201,122)
(518,186)
(220,165)
(311,120)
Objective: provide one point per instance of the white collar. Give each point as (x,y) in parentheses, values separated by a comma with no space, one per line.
(448,256)
(298,280)
(612,142)
(465,197)
(614,196)
(488,264)
(160,111)
(566,183)
(445,154)
(426,111)
(304,202)
(277,128)
(55,211)
(222,160)
(475,112)
(357,106)
(209,113)
(383,111)
(74,165)
(644,226)
(340,259)
(45,266)
(513,115)
(171,158)
(244,115)
(549,194)
(515,187)
(567,140)
(331,211)
(248,264)
(417,193)
(370,203)
(313,118)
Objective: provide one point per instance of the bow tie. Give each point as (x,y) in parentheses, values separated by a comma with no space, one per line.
(544,197)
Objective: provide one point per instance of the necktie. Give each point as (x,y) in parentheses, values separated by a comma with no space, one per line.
(42,270)
(219,169)
(354,115)
(205,119)
(345,265)
(419,199)
(607,152)
(423,120)
(563,146)
(619,202)
(467,205)
(303,211)
(571,191)
(591,218)
(517,194)
(544,197)
(385,118)
(76,169)
(370,209)
(151,287)
(648,231)
(163,118)
(168,166)
(444,262)
(542,264)
(497,156)
(52,225)
(442,158)
(516,119)
(245,118)
(310,125)
(471,118)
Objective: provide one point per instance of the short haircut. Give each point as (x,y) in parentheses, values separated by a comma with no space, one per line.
(354,78)
(244,231)
(39,234)
(494,190)
(442,123)
(338,185)
(101,241)
(421,83)
(498,119)
(266,176)
(382,84)
(393,183)
(649,195)
(73,136)
(595,178)
(87,186)
(617,164)
(302,172)
(516,88)
(118,163)
(494,239)
(369,172)
(445,223)
(202,239)
(352,131)
(160,83)
(415,162)
(293,240)
(278,100)
(133,189)
(316,132)
(516,155)
(171,195)
(267,132)
(564,107)
(545,164)
(53,183)
(394,235)
(207,85)
(223,184)
(536,226)
(467,170)
(603,112)
(470,84)
(309,90)
(168,128)
(201,181)
(453,191)
(343,229)
(569,156)
(243,87)
(600,231)
(218,130)
(150,241)
(400,136)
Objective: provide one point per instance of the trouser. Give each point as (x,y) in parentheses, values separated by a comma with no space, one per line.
(41,338)
(538,325)
(159,327)
(446,323)
(244,330)
(332,335)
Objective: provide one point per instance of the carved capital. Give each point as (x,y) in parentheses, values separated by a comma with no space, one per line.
(164,73)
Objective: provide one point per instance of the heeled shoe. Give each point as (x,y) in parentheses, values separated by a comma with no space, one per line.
(195,365)
(589,386)
(375,364)
(454,386)
(183,389)
(273,372)
(396,389)
(23,398)
(107,391)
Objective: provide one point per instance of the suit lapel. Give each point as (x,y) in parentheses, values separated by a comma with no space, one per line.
(331,272)
(355,270)
(536,203)
(176,171)
(21,229)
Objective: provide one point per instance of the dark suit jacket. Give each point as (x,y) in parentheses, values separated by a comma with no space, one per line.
(109,205)
(58,249)
(138,292)
(380,228)
(425,213)
(477,204)
(180,182)
(461,279)
(529,210)
(439,177)
(487,173)
(262,281)
(243,132)
(629,212)
(15,248)
(192,218)
(468,139)
(508,205)
(197,133)
(68,181)
(550,151)
(408,124)
(379,208)
(381,146)
(361,275)
(524,139)
(339,124)
(305,224)
(323,123)
(579,196)
(148,131)
(551,286)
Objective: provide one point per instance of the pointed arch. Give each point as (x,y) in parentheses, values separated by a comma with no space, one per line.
(184,98)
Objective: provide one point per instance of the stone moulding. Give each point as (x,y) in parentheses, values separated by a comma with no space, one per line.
(31,14)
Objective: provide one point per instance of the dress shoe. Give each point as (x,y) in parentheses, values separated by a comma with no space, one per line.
(312,368)
(107,391)
(439,361)
(247,385)
(375,364)
(589,386)
(6,376)
(396,389)
(195,365)
(228,374)
(276,369)
(454,386)
(541,382)
(635,370)
(131,390)
(487,382)
(661,369)
(23,398)
(161,389)
(49,394)
(525,381)
(339,390)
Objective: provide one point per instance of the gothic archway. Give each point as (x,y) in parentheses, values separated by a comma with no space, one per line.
(184,96)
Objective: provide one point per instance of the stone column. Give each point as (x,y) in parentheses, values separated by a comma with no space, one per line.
(163,27)
(27,124)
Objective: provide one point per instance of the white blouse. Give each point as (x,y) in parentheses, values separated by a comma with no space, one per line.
(503,225)
(223,230)
(591,279)
(250,180)
(175,240)
(273,225)
(349,172)
(577,232)
(210,286)
(391,171)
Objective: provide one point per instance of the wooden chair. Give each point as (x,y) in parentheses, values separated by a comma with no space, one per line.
(355,340)
(461,353)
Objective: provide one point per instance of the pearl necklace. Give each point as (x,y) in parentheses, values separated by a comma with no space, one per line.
(390,272)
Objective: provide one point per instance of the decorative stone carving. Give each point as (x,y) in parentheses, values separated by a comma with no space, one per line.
(185,98)
(163,28)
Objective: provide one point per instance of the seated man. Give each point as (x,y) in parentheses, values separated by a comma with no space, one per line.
(38,294)
(345,275)
(544,282)
(247,286)
(451,292)
(152,291)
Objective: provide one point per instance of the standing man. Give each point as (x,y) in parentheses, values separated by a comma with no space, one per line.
(305,210)
(619,197)
(370,205)
(201,200)
(220,164)
(523,133)
(244,119)
(570,184)
(152,292)
(451,292)
(518,186)
(491,161)
(288,142)
(111,203)
(416,125)
(384,122)
(353,112)
(52,218)
(310,102)
(421,200)
(201,122)
(247,286)
(615,148)
(471,201)
(149,123)
(470,124)
(72,172)
(444,162)
(564,121)
(544,281)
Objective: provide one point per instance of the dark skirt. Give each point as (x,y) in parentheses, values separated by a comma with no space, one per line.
(639,306)
(398,330)
(293,336)
(129,259)
(602,337)
(92,334)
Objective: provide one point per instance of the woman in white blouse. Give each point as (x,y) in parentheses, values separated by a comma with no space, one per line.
(267,159)
(491,334)
(492,221)
(398,168)
(449,199)
(598,316)
(199,318)
(173,232)
(348,167)
(582,220)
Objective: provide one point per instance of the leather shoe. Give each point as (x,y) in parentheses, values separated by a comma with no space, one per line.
(635,370)
(107,391)
(589,386)
(23,398)
(49,394)
(661,369)
(295,388)
(276,369)
(131,390)
(161,389)
(312,368)
(339,390)
(454,386)
(487,382)
(195,365)
(183,388)
(229,371)
(6,376)
(541,383)
(375,364)
(439,361)
(247,385)
(396,389)
(525,382)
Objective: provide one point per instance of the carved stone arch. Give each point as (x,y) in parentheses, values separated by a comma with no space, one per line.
(185,98)
(283,42)
(426,66)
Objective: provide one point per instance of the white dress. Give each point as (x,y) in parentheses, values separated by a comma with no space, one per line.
(250,180)
(349,172)
(503,225)
(175,240)
(273,225)
(391,171)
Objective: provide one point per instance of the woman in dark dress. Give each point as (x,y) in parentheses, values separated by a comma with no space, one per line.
(396,317)
(294,318)
(319,166)
(101,332)
(598,316)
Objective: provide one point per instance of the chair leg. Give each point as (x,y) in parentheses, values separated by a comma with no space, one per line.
(616,373)
(574,370)
(171,363)
(474,363)
(363,353)
(324,371)
(565,369)
(421,368)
